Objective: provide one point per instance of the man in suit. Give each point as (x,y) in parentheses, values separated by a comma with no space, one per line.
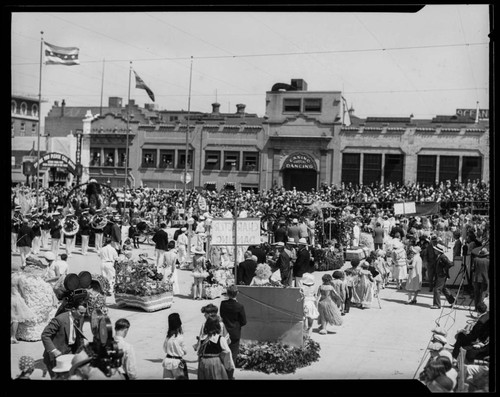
(281,234)
(429,258)
(378,236)
(55,232)
(443,265)
(284,264)
(294,231)
(246,269)
(302,263)
(161,243)
(259,252)
(25,239)
(233,315)
(63,334)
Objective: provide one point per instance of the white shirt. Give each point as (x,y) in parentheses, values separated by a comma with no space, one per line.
(128,360)
(59,268)
(108,254)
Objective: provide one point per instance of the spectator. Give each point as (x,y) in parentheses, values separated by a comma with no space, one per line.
(108,257)
(161,244)
(480,275)
(129,366)
(302,263)
(174,364)
(25,240)
(246,270)
(443,265)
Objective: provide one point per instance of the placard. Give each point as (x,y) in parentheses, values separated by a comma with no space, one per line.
(222,231)
(404,208)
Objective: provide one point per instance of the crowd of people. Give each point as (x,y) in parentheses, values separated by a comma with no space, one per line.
(376,248)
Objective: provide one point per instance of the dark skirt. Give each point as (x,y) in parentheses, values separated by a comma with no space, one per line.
(211,368)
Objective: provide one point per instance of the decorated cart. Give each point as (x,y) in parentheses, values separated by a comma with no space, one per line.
(139,285)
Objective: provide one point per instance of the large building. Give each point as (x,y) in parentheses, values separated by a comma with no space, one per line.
(306,139)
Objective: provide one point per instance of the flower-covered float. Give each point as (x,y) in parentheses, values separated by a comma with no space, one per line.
(139,285)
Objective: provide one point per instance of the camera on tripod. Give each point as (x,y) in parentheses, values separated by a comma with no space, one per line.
(72,290)
(106,355)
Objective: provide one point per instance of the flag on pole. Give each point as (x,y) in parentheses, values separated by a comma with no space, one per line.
(139,83)
(346,118)
(477,112)
(55,55)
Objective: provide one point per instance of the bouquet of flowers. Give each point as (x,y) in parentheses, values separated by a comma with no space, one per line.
(140,279)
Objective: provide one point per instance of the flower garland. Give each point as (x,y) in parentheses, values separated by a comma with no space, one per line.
(140,278)
(274,357)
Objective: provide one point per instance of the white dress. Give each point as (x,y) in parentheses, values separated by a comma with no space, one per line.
(169,270)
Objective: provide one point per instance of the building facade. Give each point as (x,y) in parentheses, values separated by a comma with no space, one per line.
(306,139)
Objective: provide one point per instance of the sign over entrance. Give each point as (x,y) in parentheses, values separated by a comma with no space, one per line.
(248,232)
(56,160)
(299,161)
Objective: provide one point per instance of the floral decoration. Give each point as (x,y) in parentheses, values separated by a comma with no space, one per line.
(140,278)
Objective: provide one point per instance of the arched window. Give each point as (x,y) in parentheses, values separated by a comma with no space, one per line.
(24,108)
(13,106)
(34,110)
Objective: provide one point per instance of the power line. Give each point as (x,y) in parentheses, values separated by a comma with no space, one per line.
(284,53)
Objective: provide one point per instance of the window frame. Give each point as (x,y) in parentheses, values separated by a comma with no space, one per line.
(165,152)
(154,154)
(295,109)
(371,174)
(426,169)
(181,153)
(314,110)
(245,156)
(231,157)
(389,171)
(348,168)
(216,164)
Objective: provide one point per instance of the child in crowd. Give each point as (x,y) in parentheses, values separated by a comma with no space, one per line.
(349,286)
(27,366)
(310,310)
(329,313)
(382,267)
(211,310)
(340,288)
(199,273)
(174,365)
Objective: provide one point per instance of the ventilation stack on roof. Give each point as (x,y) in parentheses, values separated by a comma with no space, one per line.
(115,102)
(63,104)
(240,108)
(215,108)
(300,84)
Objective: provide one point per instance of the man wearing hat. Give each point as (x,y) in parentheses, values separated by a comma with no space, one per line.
(55,232)
(116,233)
(281,234)
(480,275)
(443,265)
(160,239)
(182,243)
(284,264)
(84,230)
(24,241)
(108,256)
(69,239)
(302,263)
(429,258)
(36,227)
(98,232)
(63,334)
(46,220)
(246,269)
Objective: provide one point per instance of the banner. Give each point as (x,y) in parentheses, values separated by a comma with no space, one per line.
(411,208)
(273,314)
(222,231)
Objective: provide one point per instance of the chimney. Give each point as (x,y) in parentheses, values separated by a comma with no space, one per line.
(215,108)
(351,111)
(114,102)
(240,108)
(299,84)
(56,104)
(63,104)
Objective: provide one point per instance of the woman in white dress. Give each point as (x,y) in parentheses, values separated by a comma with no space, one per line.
(399,272)
(414,283)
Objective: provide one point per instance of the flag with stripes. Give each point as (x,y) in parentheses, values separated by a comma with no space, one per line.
(55,55)
(139,83)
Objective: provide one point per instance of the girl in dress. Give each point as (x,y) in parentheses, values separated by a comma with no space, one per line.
(19,310)
(414,282)
(174,365)
(199,273)
(329,313)
(399,261)
(210,310)
(262,275)
(214,355)
(340,288)
(382,267)
(310,310)
(363,286)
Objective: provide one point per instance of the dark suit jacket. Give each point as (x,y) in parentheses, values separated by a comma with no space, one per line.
(301,265)
(378,235)
(259,252)
(480,272)
(56,336)
(25,236)
(246,271)
(281,235)
(283,263)
(161,240)
(233,315)
(443,265)
(116,233)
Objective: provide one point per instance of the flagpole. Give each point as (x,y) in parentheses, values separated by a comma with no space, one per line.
(187,137)
(39,121)
(126,147)
(102,86)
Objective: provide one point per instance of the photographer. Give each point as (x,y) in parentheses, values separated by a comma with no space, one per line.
(63,334)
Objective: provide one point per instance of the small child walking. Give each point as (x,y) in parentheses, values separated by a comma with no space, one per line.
(340,289)
(199,273)
(310,310)
(349,284)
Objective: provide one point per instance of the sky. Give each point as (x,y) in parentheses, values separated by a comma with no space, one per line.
(386,64)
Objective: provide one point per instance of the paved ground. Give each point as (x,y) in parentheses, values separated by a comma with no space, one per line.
(387,343)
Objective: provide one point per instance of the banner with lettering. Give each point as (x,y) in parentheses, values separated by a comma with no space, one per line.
(222,231)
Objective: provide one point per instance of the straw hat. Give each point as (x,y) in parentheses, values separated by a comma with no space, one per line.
(302,241)
(439,248)
(280,244)
(416,249)
(50,256)
(63,363)
(291,241)
(308,279)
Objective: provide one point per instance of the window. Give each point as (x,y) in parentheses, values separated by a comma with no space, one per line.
(24,108)
(173,118)
(33,129)
(312,105)
(291,105)
(448,168)
(121,157)
(12,131)
(350,168)
(471,168)
(22,131)
(231,161)
(250,161)
(109,156)
(212,160)
(34,110)
(181,155)
(372,168)
(393,170)
(95,157)
(149,158)
(13,106)
(426,169)
(167,158)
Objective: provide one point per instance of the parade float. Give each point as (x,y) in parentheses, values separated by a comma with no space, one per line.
(139,285)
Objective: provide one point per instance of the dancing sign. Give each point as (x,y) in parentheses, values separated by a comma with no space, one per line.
(248,231)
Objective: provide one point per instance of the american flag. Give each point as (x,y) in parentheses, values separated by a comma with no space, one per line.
(139,83)
(55,55)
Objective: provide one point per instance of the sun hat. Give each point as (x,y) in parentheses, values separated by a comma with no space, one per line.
(446,353)
(440,331)
(308,279)
(78,360)
(439,248)
(26,363)
(435,346)
(63,363)
(440,339)
(291,241)
(302,241)
(483,252)
(416,249)
(183,229)
(280,244)
(50,256)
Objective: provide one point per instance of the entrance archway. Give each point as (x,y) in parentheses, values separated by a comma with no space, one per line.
(299,170)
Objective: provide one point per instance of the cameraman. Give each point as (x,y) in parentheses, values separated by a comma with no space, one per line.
(63,334)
